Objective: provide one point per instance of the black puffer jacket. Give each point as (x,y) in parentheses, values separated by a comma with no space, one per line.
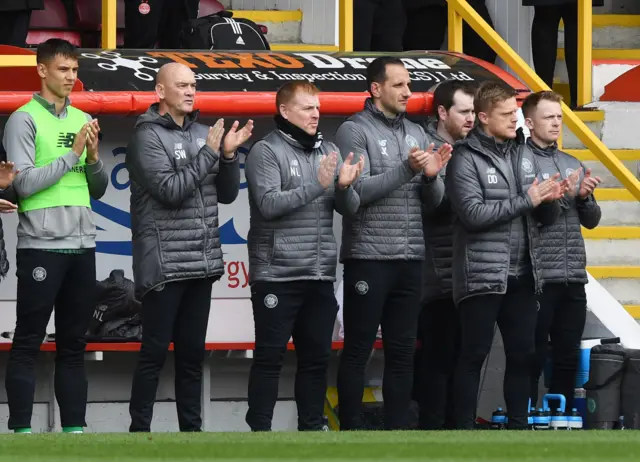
(562,251)
(176,184)
(488,214)
(437,219)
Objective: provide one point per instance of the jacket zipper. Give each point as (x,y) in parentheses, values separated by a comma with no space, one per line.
(406,199)
(312,166)
(204,227)
(566,228)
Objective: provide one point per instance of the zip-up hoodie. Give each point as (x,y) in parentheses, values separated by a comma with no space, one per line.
(53,228)
(176,184)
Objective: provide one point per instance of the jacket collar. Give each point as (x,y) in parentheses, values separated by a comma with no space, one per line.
(371,109)
(544,152)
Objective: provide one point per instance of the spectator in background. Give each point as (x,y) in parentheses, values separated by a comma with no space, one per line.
(378,25)
(427,24)
(438,326)
(156,22)
(15,16)
(544,39)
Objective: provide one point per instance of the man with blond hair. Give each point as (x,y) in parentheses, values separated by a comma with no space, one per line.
(563,303)
(493,186)
(296,180)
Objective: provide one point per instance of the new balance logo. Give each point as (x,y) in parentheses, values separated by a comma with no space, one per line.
(65,140)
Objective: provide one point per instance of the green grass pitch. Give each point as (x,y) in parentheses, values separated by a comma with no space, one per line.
(495,446)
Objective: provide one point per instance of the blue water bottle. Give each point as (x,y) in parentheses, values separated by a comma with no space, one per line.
(574,419)
(499,419)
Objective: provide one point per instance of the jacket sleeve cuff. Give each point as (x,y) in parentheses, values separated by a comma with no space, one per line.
(230,161)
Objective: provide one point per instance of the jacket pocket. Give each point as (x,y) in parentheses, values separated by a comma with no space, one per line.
(160,251)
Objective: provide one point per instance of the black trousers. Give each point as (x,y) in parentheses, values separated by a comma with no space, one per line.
(515,312)
(307,311)
(14,27)
(378,25)
(544,43)
(45,279)
(387,294)
(563,312)
(427,25)
(435,363)
(161,25)
(179,313)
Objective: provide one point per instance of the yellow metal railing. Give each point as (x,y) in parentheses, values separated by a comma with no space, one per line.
(461,10)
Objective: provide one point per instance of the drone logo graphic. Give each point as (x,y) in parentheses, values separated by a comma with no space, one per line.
(141,71)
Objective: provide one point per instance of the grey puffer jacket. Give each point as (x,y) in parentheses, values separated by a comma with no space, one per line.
(438,237)
(388,225)
(562,250)
(291,214)
(488,214)
(176,184)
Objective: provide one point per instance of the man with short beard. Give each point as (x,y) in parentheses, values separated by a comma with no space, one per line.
(180,171)
(383,243)
(438,325)
(296,180)
(494,191)
(563,303)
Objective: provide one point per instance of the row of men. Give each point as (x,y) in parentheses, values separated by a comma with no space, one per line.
(489,241)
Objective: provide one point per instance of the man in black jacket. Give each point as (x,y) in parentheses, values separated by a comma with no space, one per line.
(383,243)
(563,303)
(438,326)
(494,190)
(180,170)
(427,26)
(296,180)
(15,16)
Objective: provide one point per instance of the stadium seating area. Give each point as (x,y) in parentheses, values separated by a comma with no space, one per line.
(82,25)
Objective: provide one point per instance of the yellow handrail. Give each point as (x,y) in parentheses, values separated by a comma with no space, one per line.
(462,9)
(345,14)
(585,45)
(109,24)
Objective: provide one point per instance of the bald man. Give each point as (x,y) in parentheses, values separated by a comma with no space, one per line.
(180,170)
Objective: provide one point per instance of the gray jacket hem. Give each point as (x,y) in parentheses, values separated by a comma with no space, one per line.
(293,279)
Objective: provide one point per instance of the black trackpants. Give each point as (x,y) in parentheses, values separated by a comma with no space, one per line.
(378,25)
(151,22)
(307,311)
(515,312)
(45,279)
(544,42)
(563,312)
(385,293)
(179,313)
(427,26)
(435,363)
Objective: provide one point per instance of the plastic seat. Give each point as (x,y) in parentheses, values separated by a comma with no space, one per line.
(49,23)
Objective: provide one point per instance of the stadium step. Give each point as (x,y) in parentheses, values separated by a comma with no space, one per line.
(612,31)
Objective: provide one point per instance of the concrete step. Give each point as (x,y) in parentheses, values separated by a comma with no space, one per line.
(620,281)
(612,252)
(614,194)
(619,213)
(608,179)
(614,130)
(282,25)
(612,31)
